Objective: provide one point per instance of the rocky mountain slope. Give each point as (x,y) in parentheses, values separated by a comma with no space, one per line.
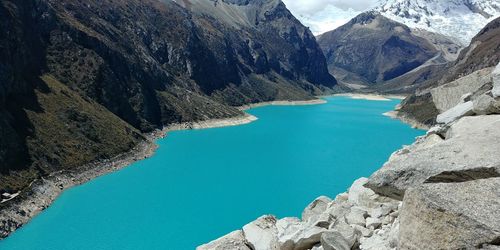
(371,50)
(442,192)
(82,81)
(468,72)
(460,19)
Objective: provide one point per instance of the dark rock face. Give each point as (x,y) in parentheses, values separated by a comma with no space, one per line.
(143,65)
(375,48)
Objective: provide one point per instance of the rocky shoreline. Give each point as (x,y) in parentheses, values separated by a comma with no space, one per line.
(395,114)
(356,218)
(441,192)
(40,194)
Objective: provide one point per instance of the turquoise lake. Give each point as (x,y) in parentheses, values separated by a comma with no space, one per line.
(202,184)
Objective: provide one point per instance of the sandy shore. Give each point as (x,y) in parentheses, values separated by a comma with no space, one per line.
(282,103)
(413,123)
(372,97)
(40,194)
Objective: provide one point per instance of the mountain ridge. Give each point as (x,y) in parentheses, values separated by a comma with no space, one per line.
(372,50)
(146,63)
(461,19)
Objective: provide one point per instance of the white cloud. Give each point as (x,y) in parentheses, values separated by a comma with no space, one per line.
(325,15)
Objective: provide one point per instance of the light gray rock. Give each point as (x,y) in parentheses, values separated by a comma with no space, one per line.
(316,208)
(373,223)
(466,97)
(490,247)
(323,220)
(295,234)
(342,197)
(317,247)
(388,220)
(382,210)
(350,234)
(485,105)
(338,210)
(470,151)
(451,94)
(365,232)
(333,240)
(461,215)
(309,237)
(361,196)
(496,81)
(438,130)
(386,238)
(235,240)
(455,113)
(357,216)
(262,234)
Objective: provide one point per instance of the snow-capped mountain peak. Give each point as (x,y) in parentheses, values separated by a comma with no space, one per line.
(461,19)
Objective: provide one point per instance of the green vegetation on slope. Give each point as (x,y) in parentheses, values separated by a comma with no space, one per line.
(68,131)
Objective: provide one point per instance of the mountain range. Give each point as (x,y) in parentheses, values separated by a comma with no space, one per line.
(402,44)
(460,19)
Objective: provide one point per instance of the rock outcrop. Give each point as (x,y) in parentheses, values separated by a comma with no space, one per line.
(347,222)
(235,240)
(459,111)
(448,95)
(496,82)
(460,215)
(470,145)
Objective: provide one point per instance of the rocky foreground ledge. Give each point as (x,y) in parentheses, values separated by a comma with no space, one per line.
(442,192)
(359,217)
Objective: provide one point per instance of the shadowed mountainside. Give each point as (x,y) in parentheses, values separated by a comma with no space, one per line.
(372,49)
(81,81)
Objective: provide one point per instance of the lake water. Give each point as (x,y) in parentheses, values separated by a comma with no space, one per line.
(203,184)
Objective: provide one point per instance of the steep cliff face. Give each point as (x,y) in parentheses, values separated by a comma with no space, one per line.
(374,49)
(264,39)
(82,80)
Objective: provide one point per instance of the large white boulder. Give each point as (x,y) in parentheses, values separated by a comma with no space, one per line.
(316,208)
(235,240)
(360,195)
(462,215)
(295,234)
(496,81)
(333,240)
(455,113)
(357,216)
(485,105)
(347,232)
(470,151)
(262,234)
(453,93)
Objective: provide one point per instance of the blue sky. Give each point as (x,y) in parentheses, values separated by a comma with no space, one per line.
(325,15)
